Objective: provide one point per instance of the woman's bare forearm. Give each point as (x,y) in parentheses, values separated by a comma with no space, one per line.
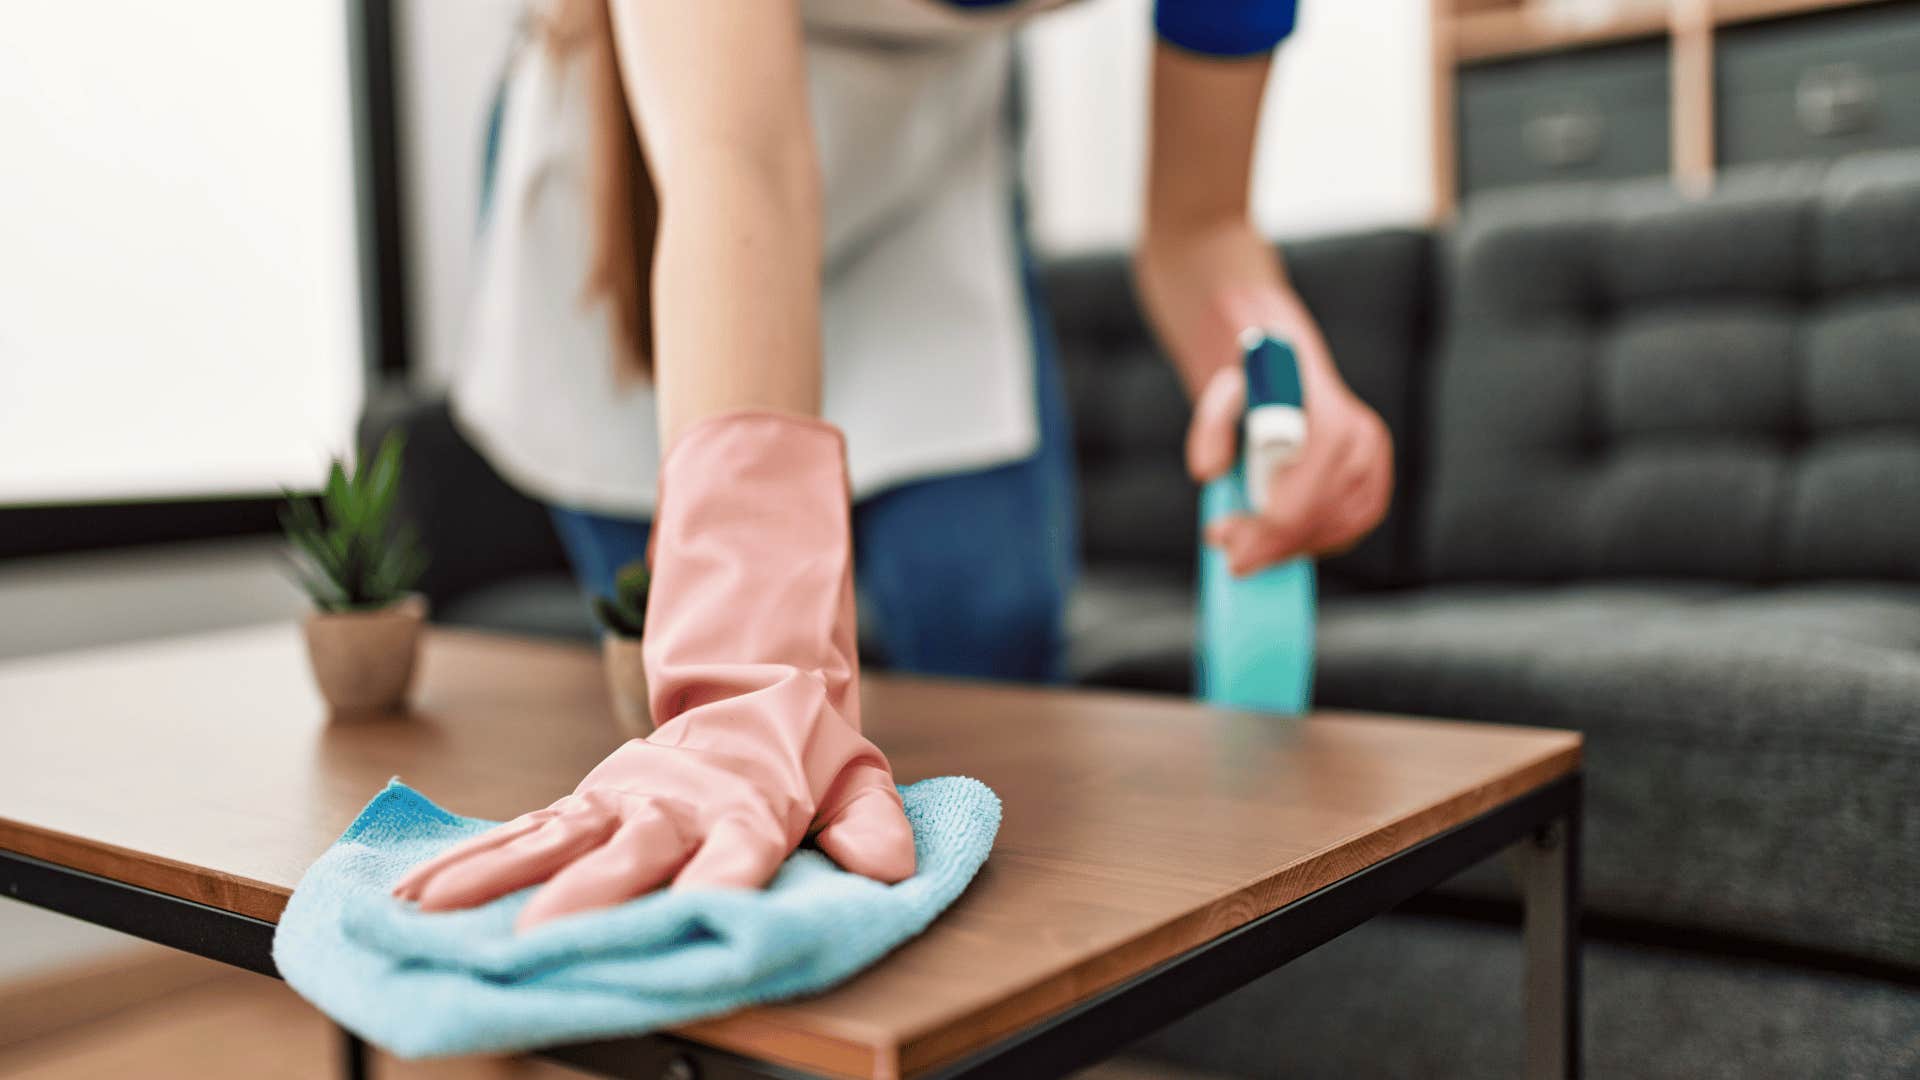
(1205,117)
(1204,269)
(737,301)
(718,89)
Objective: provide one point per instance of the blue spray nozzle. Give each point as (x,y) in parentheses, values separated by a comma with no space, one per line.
(1273,372)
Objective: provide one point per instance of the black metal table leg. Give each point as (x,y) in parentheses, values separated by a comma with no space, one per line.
(1547,866)
(353,1057)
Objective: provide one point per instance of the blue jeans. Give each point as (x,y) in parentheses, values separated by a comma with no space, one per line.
(960,575)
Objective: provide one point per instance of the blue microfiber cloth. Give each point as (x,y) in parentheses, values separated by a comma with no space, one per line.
(463,982)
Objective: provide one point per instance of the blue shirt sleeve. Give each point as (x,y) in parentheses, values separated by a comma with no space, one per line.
(1224,27)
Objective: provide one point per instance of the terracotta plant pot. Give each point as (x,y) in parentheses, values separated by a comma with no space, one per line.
(363,660)
(627,684)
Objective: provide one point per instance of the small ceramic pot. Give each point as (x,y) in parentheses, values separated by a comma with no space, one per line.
(627,684)
(363,660)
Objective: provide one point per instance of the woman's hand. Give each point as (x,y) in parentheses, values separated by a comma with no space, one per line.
(754,686)
(1201,287)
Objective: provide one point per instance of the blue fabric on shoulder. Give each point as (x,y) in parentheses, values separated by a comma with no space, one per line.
(1224,28)
(422,985)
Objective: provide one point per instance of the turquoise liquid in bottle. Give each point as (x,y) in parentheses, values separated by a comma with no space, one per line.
(1254,648)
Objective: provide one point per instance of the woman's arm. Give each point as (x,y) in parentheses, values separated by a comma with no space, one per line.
(753,678)
(1201,263)
(1205,273)
(720,95)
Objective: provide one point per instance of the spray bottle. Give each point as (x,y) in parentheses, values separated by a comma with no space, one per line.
(1255,642)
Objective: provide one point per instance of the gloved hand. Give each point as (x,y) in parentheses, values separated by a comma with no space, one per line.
(754,686)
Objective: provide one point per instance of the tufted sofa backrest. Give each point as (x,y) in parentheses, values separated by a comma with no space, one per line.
(1634,383)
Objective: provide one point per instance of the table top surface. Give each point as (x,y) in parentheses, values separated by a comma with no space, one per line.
(1136,826)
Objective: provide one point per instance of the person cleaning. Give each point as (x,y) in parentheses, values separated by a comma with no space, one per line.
(813,331)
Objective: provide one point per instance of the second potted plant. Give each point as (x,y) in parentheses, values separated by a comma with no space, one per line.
(623,618)
(359,569)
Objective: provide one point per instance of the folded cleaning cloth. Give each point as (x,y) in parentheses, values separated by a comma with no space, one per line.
(463,982)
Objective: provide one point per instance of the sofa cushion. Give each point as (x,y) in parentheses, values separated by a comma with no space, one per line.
(1440,999)
(1751,751)
(1132,627)
(1639,384)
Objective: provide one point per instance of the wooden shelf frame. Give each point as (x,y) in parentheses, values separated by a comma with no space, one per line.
(1469,32)
(1530,28)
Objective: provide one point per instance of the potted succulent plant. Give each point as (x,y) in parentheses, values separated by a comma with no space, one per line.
(623,617)
(360,569)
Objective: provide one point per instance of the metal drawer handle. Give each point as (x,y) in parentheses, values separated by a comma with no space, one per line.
(1565,137)
(1835,99)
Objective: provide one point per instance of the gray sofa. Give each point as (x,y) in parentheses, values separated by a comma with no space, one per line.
(1659,481)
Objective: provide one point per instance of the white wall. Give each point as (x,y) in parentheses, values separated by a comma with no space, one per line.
(1345,138)
(178,298)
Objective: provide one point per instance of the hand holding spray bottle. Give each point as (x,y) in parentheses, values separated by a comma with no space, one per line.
(1255,643)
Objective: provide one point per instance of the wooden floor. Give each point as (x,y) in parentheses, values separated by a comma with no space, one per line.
(160,1015)
(193,1019)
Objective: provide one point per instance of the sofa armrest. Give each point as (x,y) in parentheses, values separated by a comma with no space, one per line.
(476,529)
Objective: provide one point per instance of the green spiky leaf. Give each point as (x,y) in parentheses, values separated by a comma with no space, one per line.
(630,584)
(384,482)
(349,552)
(625,612)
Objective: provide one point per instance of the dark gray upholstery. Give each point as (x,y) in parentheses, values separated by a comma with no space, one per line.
(1401,998)
(1129,419)
(1131,627)
(1731,733)
(1373,296)
(546,604)
(1635,384)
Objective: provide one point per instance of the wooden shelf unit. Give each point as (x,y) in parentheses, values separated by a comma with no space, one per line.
(1525,29)
(1467,32)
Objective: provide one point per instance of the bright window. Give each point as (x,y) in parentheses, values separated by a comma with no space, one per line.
(178,298)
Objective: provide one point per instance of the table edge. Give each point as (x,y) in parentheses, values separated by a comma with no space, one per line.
(228,892)
(934,1047)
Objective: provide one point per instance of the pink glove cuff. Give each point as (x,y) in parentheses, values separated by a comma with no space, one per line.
(752,558)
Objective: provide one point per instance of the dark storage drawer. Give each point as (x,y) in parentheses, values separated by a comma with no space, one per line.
(1593,114)
(1819,86)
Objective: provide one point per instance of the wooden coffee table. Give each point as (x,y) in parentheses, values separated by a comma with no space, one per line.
(1155,854)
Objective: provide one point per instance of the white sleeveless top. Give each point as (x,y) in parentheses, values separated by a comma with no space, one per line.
(928,357)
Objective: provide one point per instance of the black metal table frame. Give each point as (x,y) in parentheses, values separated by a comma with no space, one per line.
(1539,831)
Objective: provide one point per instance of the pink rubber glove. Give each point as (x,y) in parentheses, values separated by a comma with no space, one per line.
(755,690)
